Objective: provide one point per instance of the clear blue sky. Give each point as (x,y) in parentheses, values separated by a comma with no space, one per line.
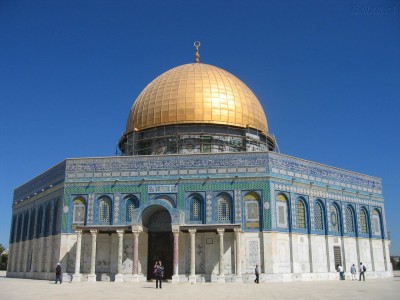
(327,74)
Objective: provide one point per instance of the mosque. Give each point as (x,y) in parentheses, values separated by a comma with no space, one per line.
(199,184)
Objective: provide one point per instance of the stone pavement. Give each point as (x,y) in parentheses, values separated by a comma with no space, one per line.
(11,289)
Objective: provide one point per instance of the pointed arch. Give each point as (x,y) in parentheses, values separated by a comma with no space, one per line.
(252,210)
(224,208)
(131,203)
(350,220)
(282,211)
(104,210)
(301,214)
(319,216)
(196,208)
(364,229)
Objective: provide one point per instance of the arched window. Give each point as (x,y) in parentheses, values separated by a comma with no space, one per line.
(32,224)
(39,223)
(104,210)
(376,223)
(282,211)
(55,216)
(25,229)
(335,219)
(131,203)
(349,220)
(224,209)
(196,209)
(363,221)
(47,220)
(79,211)
(19,230)
(252,210)
(301,214)
(319,216)
(14,225)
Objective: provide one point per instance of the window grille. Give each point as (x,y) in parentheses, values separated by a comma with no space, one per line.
(349,220)
(104,212)
(301,214)
(337,256)
(224,210)
(363,222)
(319,219)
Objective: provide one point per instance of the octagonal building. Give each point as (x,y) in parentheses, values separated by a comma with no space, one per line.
(200,185)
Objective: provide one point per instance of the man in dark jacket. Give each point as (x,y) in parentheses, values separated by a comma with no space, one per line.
(58,273)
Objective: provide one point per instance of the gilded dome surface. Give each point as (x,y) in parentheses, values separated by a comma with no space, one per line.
(196,94)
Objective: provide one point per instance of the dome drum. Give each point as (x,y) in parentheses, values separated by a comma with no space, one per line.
(194,138)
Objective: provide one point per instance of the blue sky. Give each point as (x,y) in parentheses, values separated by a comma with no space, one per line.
(326,72)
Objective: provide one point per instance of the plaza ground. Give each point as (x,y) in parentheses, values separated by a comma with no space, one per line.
(11,289)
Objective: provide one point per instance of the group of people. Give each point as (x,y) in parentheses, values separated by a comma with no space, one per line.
(158,273)
(353,270)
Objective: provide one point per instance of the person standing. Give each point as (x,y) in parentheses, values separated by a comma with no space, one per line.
(362,271)
(257,273)
(159,273)
(341,272)
(353,272)
(58,273)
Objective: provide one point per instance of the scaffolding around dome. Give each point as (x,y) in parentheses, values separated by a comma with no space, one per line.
(195,138)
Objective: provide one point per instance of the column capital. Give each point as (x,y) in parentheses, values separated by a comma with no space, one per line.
(220,231)
(237,230)
(93,232)
(175,229)
(78,231)
(137,228)
(120,232)
(192,231)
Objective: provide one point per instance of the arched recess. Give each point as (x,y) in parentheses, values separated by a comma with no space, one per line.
(336,218)
(364,224)
(252,210)
(13,229)
(25,226)
(282,211)
(165,198)
(224,208)
(32,224)
(350,220)
(104,210)
(302,214)
(130,203)
(377,223)
(157,219)
(47,217)
(319,216)
(79,211)
(196,208)
(39,223)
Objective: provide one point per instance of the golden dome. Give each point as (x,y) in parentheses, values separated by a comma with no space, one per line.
(196,94)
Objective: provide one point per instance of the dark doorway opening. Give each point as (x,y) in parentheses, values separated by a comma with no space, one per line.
(161,246)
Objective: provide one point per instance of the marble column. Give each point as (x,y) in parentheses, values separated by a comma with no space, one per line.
(77,275)
(92,275)
(192,277)
(136,230)
(119,277)
(221,275)
(175,231)
(238,275)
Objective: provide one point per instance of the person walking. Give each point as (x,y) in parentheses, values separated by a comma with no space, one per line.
(159,273)
(362,270)
(257,273)
(58,273)
(353,272)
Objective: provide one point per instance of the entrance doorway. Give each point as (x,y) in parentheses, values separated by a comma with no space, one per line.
(160,239)
(161,246)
